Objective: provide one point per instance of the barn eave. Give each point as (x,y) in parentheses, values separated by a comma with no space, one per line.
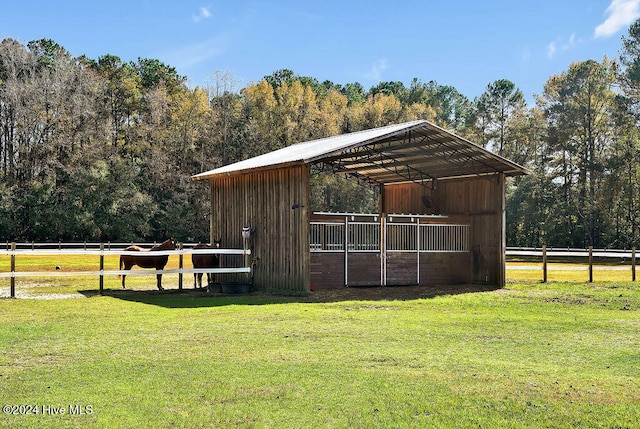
(415,151)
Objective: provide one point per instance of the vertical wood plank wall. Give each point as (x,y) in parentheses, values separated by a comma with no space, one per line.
(263,201)
(478,202)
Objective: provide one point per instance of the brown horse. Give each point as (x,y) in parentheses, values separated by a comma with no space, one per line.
(147,259)
(205,261)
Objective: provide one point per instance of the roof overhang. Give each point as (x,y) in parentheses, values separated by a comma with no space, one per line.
(417,151)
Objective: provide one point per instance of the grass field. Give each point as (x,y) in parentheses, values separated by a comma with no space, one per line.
(556,355)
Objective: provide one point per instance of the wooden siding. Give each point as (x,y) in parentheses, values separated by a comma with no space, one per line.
(478,202)
(363,269)
(407,198)
(402,268)
(327,270)
(445,268)
(264,201)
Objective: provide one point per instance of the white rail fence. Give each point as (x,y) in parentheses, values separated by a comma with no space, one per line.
(17,250)
(628,257)
(100,250)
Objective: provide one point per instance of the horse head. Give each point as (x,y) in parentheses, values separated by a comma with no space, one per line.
(169,244)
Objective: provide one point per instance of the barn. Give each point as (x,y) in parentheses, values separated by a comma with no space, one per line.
(441,217)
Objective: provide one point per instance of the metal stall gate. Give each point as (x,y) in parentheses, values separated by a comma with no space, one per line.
(368,250)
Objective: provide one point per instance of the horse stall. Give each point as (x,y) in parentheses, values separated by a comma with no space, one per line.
(457,240)
(349,249)
(441,213)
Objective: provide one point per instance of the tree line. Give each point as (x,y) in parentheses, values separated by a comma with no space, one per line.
(103,149)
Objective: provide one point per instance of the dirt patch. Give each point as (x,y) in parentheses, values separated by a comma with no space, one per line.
(31,294)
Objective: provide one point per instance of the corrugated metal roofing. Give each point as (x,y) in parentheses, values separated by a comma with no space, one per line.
(413,151)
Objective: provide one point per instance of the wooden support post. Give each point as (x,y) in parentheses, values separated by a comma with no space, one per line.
(418,250)
(101,285)
(383,249)
(544,263)
(13,270)
(346,251)
(180,265)
(633,264)
(590,264)
(501,269)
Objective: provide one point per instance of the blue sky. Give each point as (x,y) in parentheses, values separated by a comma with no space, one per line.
(466,44)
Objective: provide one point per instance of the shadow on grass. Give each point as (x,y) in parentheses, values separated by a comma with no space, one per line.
(197,298)
(188,298)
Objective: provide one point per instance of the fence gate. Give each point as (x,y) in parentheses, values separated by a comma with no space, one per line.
(370,250)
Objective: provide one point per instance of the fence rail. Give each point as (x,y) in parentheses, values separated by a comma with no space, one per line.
(589,254)
(85,245)
(48,249)
(568,253)
(332,239)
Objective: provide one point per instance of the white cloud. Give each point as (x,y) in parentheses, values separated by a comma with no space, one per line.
(203,14)
(621,14)
(375,72)
(562,45)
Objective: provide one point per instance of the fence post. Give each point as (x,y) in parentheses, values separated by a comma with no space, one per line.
(590,264)
(245,249)
(544,263)
(101,268)
(633,264)
(13,270)
(246,236)
(180,259)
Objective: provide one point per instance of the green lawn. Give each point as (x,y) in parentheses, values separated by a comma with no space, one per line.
(531,355)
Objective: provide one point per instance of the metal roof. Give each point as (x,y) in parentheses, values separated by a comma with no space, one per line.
(416,151)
